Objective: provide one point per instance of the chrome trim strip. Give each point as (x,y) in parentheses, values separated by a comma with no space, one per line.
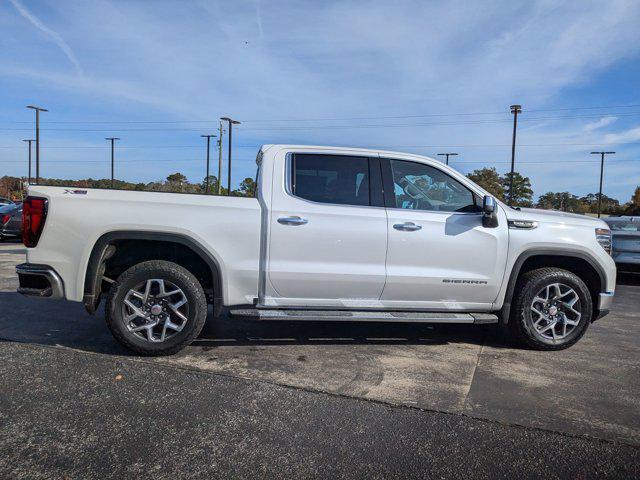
(57,286)
(522,224)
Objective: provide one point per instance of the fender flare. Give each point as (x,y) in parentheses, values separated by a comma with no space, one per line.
(505,311)
(99,254)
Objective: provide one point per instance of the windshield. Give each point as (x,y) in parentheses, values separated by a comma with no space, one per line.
(624,225)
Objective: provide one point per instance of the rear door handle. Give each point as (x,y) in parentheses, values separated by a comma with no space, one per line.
(407,227)
(294,220)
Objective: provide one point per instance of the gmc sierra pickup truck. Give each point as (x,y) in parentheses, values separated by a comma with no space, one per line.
(336,234)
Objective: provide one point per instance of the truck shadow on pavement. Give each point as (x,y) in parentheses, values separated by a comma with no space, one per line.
(66,324)
(237,331)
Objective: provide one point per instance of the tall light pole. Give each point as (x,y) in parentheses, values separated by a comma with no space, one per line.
(206,179)
(29,141)
(113,141)
(447,155)
(38,110)
(220,132)
(602,154)
(515,109)
(231,124)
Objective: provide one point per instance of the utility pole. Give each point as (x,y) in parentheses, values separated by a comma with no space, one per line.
(602,154)
(206,179)
(447,155)
(220,132)
(29,141)
(112,140)
(515,109)
(231,124)
(38,110)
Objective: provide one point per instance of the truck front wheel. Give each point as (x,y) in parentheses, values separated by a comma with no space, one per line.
(156,308)
(553,309)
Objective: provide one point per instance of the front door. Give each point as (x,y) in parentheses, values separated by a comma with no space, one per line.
(328,233)
(439,256)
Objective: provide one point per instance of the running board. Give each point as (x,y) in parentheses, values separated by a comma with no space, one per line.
(364,316)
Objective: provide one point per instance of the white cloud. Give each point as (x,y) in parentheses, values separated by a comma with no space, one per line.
(630,135)
(603,122)
(55,36)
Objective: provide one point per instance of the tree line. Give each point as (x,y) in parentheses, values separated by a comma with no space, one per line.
(176,182)
(498,185)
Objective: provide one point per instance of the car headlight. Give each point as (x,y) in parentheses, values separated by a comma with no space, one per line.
(603,236)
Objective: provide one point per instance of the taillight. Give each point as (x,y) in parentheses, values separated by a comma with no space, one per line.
(34,214)
(5,218)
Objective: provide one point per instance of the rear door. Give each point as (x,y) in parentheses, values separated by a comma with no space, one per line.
(328,232)
(439,254)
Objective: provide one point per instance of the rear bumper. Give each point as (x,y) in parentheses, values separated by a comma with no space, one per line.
(39,281)
(605,300)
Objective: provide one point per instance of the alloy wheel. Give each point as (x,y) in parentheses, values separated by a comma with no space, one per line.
(556,311)
(155,310)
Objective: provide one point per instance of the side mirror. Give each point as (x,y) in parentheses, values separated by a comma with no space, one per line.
(489,212)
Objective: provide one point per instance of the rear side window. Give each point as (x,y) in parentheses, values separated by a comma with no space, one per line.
(337,179)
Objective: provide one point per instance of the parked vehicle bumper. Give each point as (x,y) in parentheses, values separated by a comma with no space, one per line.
(39,281)
(626,258)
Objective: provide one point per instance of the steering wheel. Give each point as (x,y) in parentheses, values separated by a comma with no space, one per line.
(416,193)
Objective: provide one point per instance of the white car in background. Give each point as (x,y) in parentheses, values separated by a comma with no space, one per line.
(626,241)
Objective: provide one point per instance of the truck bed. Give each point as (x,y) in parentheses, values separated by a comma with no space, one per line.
(228,228)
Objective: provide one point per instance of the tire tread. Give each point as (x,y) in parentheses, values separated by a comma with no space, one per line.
(174,269)
(520,330)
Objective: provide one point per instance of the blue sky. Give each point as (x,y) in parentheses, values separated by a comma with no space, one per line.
(422,77)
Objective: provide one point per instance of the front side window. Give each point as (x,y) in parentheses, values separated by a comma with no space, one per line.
(337,179)
(417,186)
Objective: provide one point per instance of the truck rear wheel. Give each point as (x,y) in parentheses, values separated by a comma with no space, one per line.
(156,308)
(553,309)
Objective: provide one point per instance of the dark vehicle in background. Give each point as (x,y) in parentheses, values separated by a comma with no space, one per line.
(10,221)
(626,242)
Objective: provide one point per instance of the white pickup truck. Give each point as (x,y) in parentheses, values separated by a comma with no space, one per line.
(336,234)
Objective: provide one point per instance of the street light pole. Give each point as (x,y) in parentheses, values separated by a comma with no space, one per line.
(231,124)
(38,110)
(220,132)
(602,154)
(29,142)
(515,109)
(112,139)
(206,179)
(447,155)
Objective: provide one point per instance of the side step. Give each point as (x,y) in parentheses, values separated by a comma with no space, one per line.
(363,316)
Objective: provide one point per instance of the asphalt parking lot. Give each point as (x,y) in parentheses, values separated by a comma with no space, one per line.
(461,384)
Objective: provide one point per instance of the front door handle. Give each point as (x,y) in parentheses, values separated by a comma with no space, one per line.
(295,220)
(407,227)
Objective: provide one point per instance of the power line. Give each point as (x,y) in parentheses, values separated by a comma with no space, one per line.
(257,145)
(322,119)
(327,127)
(436,114)
(184,160)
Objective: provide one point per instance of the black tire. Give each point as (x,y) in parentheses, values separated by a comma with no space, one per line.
(169,272)
(529,285)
